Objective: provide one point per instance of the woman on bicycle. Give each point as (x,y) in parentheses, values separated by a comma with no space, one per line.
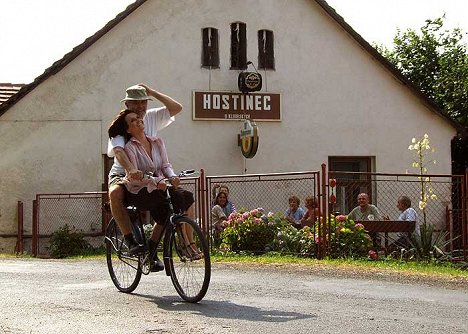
(149,155)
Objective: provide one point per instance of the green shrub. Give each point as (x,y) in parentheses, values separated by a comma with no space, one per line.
(348,239)
(253,231)
(247,232)
(67,242)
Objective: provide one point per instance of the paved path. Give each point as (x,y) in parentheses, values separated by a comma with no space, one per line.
(74,296)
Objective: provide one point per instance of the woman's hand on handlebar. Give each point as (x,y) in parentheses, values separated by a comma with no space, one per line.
(175,181)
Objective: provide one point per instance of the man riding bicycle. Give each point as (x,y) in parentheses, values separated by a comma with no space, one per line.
(155,119)
(149,155)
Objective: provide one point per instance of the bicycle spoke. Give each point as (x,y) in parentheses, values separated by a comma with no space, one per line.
(123,269)
(190,271)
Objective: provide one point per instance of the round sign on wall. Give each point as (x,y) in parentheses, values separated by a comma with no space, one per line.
(249,139)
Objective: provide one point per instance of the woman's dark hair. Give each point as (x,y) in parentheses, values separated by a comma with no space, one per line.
(119,125)
(217,197)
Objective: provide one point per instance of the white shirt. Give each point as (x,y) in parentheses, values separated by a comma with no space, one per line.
(155,119)
(409,215)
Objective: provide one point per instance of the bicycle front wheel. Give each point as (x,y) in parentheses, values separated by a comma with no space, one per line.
(124,270)
(189,260)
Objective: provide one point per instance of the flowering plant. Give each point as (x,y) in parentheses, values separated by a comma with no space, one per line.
(247,231)
(421,148)
(256,231)
(348,239)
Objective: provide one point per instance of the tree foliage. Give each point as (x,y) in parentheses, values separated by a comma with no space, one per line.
(436,60)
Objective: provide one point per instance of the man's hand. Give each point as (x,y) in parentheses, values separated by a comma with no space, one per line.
(135,174)
(162,185)
(175,181)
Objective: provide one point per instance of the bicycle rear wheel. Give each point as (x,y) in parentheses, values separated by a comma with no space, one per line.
(124,270)
(190,273)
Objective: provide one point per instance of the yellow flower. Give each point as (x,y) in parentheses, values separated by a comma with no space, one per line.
(433,196)
(422,205)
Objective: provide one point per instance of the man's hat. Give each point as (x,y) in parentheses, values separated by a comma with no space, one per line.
(136,93)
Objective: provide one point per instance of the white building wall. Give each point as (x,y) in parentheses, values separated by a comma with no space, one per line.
(336,101)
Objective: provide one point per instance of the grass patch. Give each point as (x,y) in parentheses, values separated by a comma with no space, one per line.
(392,265)
(442,269)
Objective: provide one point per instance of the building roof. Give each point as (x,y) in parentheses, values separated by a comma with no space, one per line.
(7,90)
(67,58)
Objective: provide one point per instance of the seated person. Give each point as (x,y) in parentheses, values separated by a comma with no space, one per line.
(148,154)
(219,214)
(312,214)
(407,214)
(365,211)
(294,213)
(223,188)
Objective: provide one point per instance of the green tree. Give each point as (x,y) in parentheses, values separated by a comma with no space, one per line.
(435,60)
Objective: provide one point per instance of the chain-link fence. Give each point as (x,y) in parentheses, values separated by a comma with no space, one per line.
(85,213)
(442,206)
(446,210)
(267,191)
(81,212)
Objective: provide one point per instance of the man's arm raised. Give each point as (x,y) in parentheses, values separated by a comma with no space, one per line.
(172,105)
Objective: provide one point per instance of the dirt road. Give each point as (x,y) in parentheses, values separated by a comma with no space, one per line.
(77,296)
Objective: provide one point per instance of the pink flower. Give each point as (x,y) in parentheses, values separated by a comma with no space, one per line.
(245,215)
(373,255)
(317,240)
(258,220)
(254,212)
(340,218)
(359,225)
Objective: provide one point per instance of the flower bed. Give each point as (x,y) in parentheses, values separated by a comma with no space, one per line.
(256,232)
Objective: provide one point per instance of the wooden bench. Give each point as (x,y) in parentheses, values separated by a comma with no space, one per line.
(387,226)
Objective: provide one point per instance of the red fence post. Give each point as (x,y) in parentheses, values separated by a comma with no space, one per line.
(464,215)
(20,231)
(326,220)
(35,237)
(202,203)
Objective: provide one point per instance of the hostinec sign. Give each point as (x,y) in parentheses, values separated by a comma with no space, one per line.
(236,106)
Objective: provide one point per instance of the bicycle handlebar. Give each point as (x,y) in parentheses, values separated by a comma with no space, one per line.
(183,173)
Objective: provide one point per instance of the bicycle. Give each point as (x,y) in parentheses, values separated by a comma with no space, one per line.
(190,274)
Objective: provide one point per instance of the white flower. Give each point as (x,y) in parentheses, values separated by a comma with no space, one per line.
(413,140)
(433,196)
(426,136)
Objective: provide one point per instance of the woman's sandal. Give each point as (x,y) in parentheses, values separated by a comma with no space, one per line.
(196,253)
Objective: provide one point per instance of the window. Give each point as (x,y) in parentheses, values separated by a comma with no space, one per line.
(266,53)
(350,185)
(238,46)
(210,48)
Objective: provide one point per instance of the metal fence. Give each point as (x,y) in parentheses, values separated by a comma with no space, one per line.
(86,213)
(82,212)
(267,191)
